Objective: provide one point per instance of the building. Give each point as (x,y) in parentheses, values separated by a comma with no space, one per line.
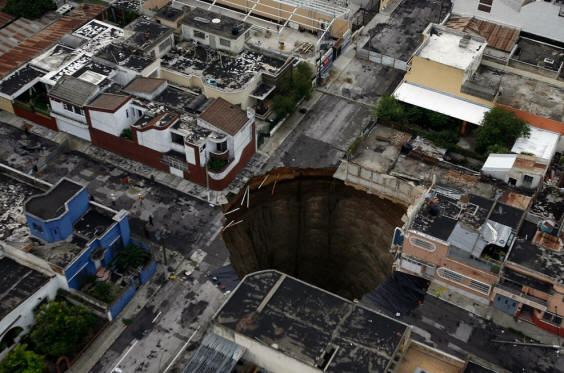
(152,38)
(281,324)
(215,30)
(78,236)
(170,16)
(521,14)
(23,289)
(529,163)
(459,73)
(459,240)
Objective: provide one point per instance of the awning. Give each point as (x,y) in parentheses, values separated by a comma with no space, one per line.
(441,102)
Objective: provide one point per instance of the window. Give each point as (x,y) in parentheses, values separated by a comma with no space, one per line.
(164,45)
(225,43)
(199,34)
(222,146)
(422,244)
(177,139)
(139,113)
(126,113)
(485,5)
(527,179)
(67,106)
(552,318)
(480,286)
(77,110)
(449,275)
(512,181)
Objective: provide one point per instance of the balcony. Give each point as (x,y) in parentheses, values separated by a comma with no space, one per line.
(220,155)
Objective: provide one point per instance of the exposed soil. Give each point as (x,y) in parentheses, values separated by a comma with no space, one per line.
(308,224)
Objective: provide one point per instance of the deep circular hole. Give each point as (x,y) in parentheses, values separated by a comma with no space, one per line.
(315,228)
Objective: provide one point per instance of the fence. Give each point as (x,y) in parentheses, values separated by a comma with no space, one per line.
(381,59)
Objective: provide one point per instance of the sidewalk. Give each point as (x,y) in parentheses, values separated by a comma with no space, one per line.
(490,313)
(172,181)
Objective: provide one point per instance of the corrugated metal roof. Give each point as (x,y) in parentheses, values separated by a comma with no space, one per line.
(498,36)
(47,37)
(5,18)
(215,355)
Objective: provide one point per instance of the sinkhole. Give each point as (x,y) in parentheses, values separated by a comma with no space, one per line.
(307,224)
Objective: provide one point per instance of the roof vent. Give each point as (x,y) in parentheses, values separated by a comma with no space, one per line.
(200,19)
(464,41)
(216,20)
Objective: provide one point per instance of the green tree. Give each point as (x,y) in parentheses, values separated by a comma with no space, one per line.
(104,291)
(292,88)
(21,360)
(29,8)
(283,105)
(62,328)
(390,109)
(498,149)
(499,127)
(132,256)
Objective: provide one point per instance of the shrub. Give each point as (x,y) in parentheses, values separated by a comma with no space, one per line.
(21,360)
(127,134)
(498,149)
(132,256)
(499,127)
(292,88)
(103,291)
(390,109)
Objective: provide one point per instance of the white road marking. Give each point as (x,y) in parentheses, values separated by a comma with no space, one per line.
(156,317)
(182,349)
(124,355)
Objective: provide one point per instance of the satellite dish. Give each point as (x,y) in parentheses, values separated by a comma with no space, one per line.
(216,20)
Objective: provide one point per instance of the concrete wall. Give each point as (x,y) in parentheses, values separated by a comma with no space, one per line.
(236,46)
(38,118)
(239,97)
(263,355)
(156,139)
(113,123)
(440,77)
(75,128)
(6,105)
(122,301)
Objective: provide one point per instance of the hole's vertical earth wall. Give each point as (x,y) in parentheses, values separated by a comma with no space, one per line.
(306,223)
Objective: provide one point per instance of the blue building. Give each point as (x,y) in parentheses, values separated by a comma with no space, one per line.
(79,235)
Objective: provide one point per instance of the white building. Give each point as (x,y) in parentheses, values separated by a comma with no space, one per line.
(530,160)
(543,18)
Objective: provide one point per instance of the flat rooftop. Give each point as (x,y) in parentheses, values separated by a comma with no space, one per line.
(13,195)
(92,224)
(444,47)
(401,34)
(540,143)
(533,96)
(548,204)
(146,33)
(309,324)
(52,203)
(539,259)
(17,283)
(220,69)
(539,54)
(124,55)
(19,79)
(216,23)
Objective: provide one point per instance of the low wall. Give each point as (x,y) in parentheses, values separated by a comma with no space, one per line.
(38,118)
(148,272)
(123,300)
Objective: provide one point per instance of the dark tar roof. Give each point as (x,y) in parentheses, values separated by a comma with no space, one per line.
(307,323)
(227,27)
(124,55)
(73,90)
(147,33)
(506,215)
(52,203)
(169,13)
(92,224)
(545,261)
(17,283)
(19,79)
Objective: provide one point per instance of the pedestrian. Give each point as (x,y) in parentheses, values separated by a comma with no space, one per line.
(151,219)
